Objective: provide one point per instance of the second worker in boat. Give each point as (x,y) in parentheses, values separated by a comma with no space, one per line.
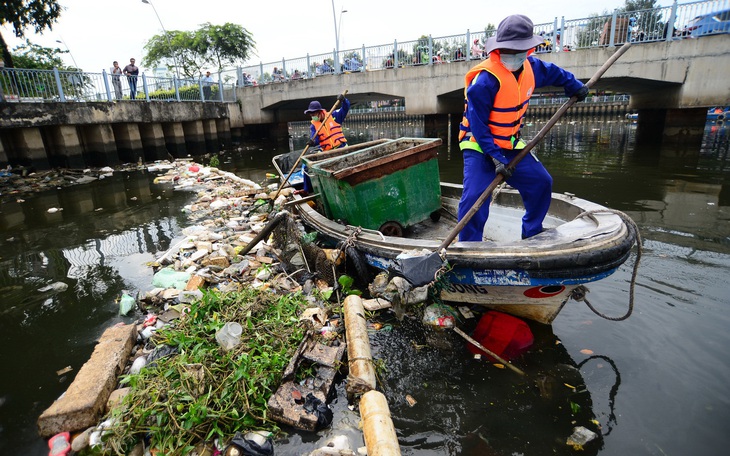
(497,92)
(326,132)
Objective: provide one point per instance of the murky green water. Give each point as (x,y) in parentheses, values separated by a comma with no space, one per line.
(656,383)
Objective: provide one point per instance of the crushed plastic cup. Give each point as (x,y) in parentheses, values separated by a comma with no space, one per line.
(188,296)
(229,335)
(60,444)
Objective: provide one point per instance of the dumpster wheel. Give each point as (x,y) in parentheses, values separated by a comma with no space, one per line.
(435,216)
(391,229)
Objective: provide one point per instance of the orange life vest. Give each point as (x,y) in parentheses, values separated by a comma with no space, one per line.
(330,136)
(510,104)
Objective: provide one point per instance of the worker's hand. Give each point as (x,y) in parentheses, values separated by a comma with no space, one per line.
(340,98)
(310,142)
(501,168)
(582,93)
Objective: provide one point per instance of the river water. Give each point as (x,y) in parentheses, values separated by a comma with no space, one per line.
(656,384)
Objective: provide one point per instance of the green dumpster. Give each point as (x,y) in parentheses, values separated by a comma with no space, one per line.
(386,187)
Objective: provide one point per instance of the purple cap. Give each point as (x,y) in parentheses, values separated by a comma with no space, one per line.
(514,32)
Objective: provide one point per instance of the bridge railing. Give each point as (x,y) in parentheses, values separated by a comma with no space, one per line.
(650,25)
(23,85)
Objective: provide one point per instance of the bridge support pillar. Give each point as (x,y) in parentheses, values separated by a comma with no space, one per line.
(67,151)
(211,136)
(674,127)
(224,133)
(129,142)
(194,137)
(101,149)
(175,139)
(153,141)
(29,148)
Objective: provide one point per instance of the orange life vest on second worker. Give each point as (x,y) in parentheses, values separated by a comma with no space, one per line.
(510,103)
(330,136)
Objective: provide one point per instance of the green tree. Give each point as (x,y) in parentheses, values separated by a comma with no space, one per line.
(21,14)
(211,46)
(638,5)
(35,57)
(224,44)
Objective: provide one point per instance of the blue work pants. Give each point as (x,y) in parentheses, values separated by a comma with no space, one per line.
(530,178)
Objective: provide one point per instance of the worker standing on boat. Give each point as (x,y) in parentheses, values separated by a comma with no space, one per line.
(330,134)
(497,92)
(327,136)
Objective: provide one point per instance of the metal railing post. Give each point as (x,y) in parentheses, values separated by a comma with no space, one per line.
(395,53)
(467,50)
(562,33)
(61,96)
(261,71)
(670,23)
(146,89)
(364,66)
(220,87)
(309,67)
(106,85)
(335,60)
(612,40)
(200,89)
(283,68)
(430,50)
(555,35)
(177,91)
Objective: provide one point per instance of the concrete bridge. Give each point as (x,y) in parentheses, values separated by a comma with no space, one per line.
(671,83)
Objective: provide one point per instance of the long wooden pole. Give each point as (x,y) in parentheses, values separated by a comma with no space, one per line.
(541,134)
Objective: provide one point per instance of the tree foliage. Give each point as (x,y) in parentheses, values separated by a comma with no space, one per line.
(211,46)
(21,14)
(35,57)
(638,5)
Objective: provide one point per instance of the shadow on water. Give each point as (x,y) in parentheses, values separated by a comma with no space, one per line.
(108,230)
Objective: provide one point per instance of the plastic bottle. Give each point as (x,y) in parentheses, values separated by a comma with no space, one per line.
(229,335)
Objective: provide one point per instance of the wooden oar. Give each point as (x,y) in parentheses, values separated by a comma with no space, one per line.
(433,264)
(294,167)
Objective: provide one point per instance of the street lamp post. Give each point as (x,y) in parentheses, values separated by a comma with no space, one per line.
(337,34)
(169,45)
(69,52)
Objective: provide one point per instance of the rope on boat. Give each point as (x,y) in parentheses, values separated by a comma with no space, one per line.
(579,293)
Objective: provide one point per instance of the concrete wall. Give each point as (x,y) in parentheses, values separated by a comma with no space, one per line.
(77,135)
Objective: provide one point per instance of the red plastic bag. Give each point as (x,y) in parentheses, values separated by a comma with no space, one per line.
(503,334)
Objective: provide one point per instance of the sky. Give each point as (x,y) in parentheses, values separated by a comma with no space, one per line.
(97,32)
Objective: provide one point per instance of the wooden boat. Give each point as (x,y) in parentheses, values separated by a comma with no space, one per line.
(531,278)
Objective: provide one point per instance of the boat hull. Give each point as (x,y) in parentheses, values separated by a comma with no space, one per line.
(531,278)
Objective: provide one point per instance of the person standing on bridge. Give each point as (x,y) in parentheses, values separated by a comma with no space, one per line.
(497,92)
(207,82)
(116,79)
(131,71)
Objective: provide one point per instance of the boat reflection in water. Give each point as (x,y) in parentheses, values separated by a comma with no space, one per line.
(534,414)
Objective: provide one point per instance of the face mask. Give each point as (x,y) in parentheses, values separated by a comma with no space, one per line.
(513,62)
(315,118)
